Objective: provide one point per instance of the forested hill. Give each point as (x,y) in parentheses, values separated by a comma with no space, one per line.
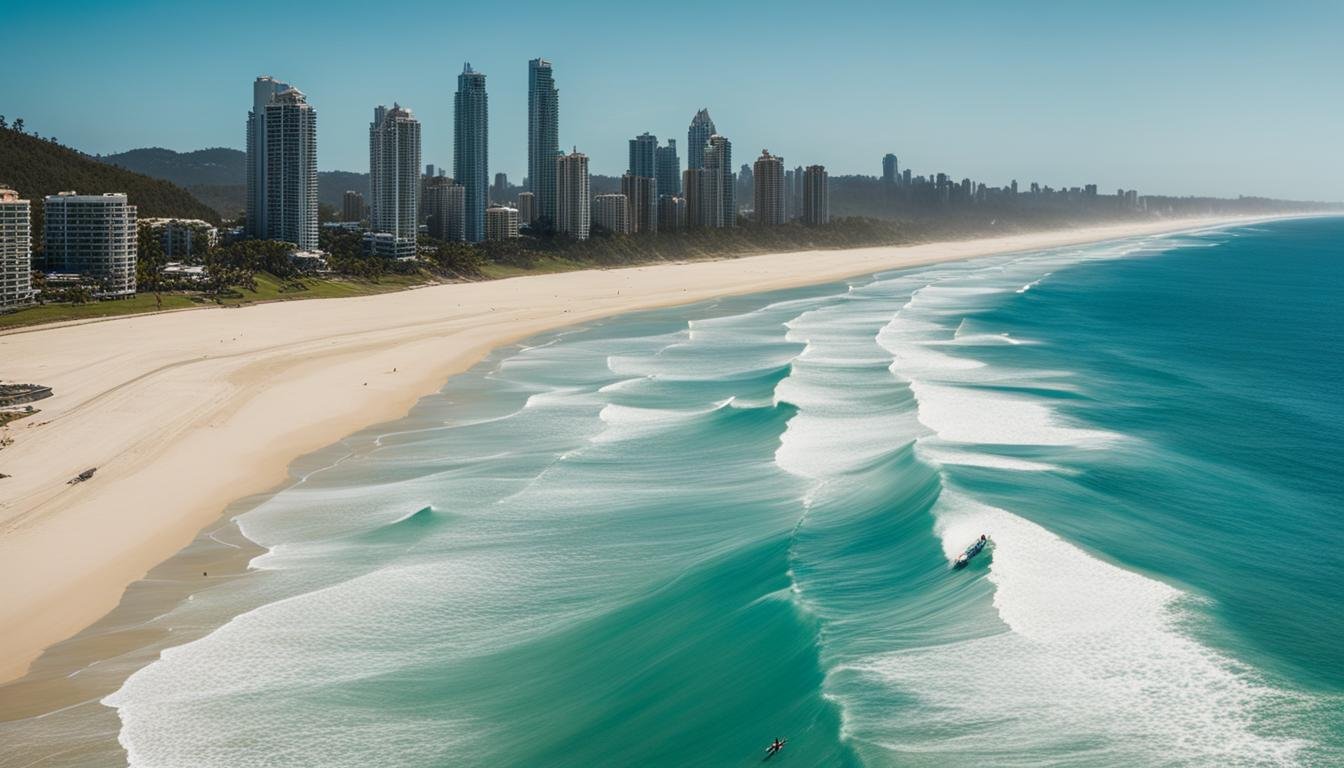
(36,167)
(217,165)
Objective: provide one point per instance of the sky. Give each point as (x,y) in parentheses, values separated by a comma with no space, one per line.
(1177,97)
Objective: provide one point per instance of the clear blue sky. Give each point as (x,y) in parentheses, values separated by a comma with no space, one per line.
(1195,97)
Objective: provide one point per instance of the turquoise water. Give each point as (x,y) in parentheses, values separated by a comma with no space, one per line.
(667,538)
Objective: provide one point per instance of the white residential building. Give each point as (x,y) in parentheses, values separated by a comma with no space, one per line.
(501,223)
(289,170)
(394,180)
(16,251)
(94,236)
(184,238)
(573,212)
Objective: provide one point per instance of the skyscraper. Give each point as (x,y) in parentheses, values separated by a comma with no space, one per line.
(816,196)
(445,209)
(692,183)
(543,136)
(572,212)
(668,171)
(643,155)
(890,173)
(352,206)
(717,198)
(94,236)
(394,180)
(264,88)
(769,193)
(642,194)
(612,213)
(745,188)
(471,148)
(797,201)
(290,212)
(702,127)
(16,251)
(499,191)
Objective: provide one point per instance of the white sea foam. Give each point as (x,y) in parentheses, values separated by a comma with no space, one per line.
(1092,657)
(968,415)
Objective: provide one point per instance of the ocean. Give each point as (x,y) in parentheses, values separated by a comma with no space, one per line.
(670,537)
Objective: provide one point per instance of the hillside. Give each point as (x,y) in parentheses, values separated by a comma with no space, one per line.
(218,176)
(37,167)
(215,166)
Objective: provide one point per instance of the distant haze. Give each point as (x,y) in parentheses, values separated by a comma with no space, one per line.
(1221,98)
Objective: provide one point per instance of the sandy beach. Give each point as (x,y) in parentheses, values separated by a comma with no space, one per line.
(183,413)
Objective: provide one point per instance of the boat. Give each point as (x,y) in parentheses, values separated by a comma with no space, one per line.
(971,551)
(774,748)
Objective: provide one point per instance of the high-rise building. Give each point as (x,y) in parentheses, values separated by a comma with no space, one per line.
(445,209)
(612,213)
(527,208)
(671,213)
(572,211)
(263,90)
(471,148)
(890,173)
(797,200)
(668,171)
(501,222)
(643,155)
(16,251)
(692,183)
(94,236)
(394,180)
(543,136)
(642,194)
(352,206)
(744,188)
(717,198)
(291,170)
(429,170)
(816,196)
(697,136)
(499,191)
(769,192)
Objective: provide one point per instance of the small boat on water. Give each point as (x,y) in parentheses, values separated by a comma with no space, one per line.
(774,748)
(971,551)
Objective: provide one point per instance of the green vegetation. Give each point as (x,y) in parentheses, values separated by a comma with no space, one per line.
(37,167)
(264,288)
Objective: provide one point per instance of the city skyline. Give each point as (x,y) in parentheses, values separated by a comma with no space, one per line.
(1059,101)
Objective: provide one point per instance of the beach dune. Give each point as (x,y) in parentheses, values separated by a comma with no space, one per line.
(183,412)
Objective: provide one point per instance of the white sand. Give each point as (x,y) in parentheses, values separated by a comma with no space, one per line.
(184,412)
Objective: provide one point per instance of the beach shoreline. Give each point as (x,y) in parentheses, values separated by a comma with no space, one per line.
(185,413)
